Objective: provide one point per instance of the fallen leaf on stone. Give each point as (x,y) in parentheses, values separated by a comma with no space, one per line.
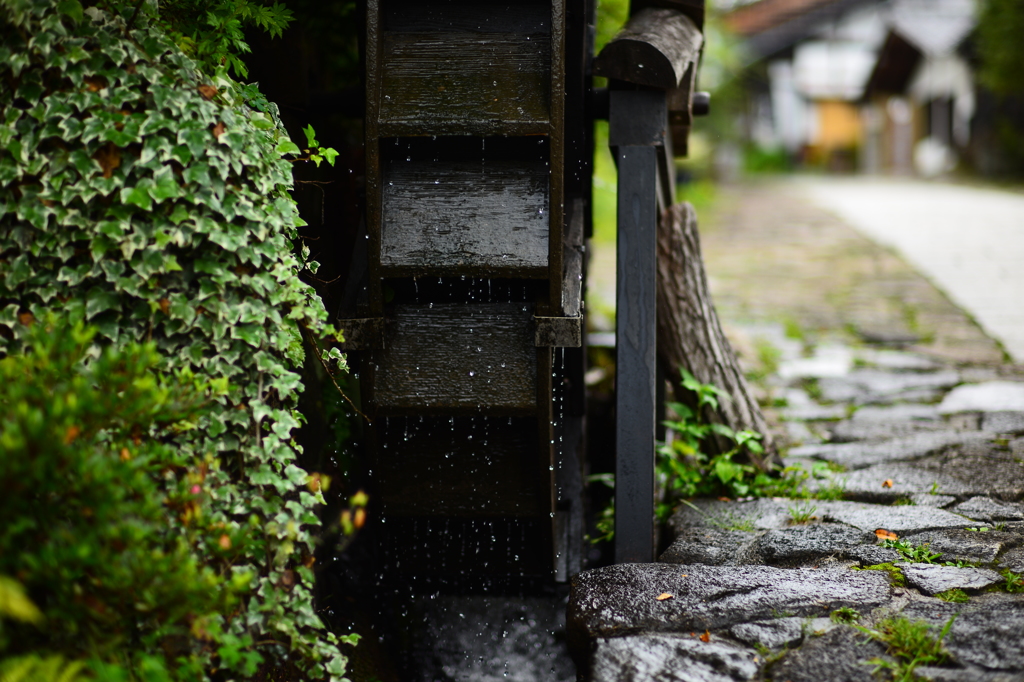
(883,534)
(724,499)
(685,575)
(706,637)
(887,483)
(663,596)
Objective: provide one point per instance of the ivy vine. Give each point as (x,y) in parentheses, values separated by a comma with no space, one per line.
(148,201)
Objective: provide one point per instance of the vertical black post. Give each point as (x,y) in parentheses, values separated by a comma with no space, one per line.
(637,125)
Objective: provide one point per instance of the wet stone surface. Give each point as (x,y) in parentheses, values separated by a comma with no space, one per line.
(712,547)
(837,655)
(931,579)
(987,632)
(909,448)
(751,590)
(967,545)
(987,509)
(809,543)
(671,658)
(487,638)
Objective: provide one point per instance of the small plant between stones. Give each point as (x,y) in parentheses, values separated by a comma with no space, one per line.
(911,642)
(954,596)
(912,553)
(845,614)
(896,576)
(802,513)
(1014,582)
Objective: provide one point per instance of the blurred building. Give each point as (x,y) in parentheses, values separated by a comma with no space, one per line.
(875,85)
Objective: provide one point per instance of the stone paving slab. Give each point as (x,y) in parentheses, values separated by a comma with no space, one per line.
(987,509)
(851,430)
(671,658)
(972,674)
(931,579)
(896,360)
(712,547)
(902,519)
(1013,560)
(799,545)
(860,455)
(992,466)
(774,633)
(991,396)
(962,544)
(623,599)
(873,386)
(889,483)
(838,655)
(987,632)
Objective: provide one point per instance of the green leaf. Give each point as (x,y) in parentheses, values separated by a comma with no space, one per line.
(179,215)
(287,147)
(330,153)
(15,604)
(138,195)
(726,470)
(100,300)
(310,137)
(72,8)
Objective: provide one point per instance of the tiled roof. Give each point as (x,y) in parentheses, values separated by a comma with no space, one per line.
(765,15)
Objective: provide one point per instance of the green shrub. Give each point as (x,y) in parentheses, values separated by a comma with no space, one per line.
(151,203)
(103,517)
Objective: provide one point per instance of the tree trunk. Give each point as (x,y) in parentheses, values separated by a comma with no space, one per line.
(690,337)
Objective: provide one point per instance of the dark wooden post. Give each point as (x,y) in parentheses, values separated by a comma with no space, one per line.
(651,65)
(637,125)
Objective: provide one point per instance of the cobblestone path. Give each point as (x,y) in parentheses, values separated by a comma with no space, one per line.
(910,425)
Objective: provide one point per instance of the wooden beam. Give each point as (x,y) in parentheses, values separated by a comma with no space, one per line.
(691,8)
(655,48)
(637,125)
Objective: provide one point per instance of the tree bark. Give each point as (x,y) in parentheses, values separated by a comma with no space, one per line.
(691,338)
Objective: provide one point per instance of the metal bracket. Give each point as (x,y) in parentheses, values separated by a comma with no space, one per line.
(362,333)
(558,332)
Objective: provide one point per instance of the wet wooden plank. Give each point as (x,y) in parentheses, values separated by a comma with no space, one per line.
(461,466)
(467,15)
(572,258)
(460,83)
(449,356)
(558,332)
(453,218)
